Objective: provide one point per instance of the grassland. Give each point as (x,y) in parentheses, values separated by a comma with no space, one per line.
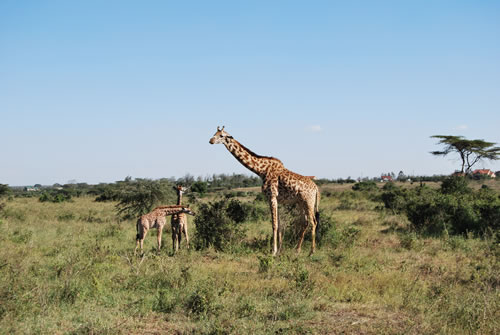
(69,268)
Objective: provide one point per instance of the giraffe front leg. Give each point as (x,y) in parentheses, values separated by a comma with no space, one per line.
(137,243)
(274,216)
(158,237)
(177,240)
(174,238)
(141,241)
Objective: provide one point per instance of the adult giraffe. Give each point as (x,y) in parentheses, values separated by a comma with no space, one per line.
(279,184)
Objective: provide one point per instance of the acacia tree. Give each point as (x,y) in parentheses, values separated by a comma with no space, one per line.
(139,196)
(470,151)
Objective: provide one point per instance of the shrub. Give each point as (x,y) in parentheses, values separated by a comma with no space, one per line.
(107,194)
(200,187)
(365,186)
(261,197)
(238,211)
(265,263)
(55,196)
(394,198)
(455,208)
(164,302)
(218,224)
(455,185)
(202,300)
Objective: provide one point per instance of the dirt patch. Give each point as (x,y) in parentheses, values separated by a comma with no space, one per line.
(346,319)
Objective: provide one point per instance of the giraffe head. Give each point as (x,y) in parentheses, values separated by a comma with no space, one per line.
(220,136)
(187,211)
(180,189)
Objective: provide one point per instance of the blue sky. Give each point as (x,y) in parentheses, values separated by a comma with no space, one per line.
(95,91)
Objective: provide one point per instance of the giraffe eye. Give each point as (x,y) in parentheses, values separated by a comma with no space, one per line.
(221,135)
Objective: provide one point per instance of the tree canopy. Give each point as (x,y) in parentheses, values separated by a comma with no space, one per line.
(4,189)
(470,151)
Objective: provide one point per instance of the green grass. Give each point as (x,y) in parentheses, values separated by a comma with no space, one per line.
(69,268)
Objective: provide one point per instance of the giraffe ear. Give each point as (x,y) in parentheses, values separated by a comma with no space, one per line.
(218,128)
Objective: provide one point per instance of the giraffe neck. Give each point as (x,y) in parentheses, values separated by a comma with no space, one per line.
(257,164)
(170,210)
(179,198)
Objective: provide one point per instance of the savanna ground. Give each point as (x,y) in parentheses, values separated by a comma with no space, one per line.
(69,268)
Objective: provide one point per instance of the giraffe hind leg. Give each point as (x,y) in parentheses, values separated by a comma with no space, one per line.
(185,231)
(314,225)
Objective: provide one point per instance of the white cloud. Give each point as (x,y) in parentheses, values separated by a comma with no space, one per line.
(461,127)
(314,128)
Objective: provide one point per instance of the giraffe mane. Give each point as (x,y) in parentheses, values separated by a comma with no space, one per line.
(170,206)
(253,153)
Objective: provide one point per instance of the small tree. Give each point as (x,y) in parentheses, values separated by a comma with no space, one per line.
(139,196)
(4,190)
(200,186)
(470,151)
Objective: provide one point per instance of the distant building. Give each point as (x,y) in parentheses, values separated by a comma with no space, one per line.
(31,189)
(385,178)
(484,172)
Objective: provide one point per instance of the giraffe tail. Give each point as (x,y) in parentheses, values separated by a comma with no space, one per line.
(316,209)
(139,235)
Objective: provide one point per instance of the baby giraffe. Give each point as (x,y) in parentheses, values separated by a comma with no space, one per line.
(156,219)
(179,222)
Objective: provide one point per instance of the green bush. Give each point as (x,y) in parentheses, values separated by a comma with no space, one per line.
(202,300)
(165,302)
(261,197)
(219,224)
(238,211)
(455,185)
(200,187)
(56,196)
(365,186)
(455,208)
